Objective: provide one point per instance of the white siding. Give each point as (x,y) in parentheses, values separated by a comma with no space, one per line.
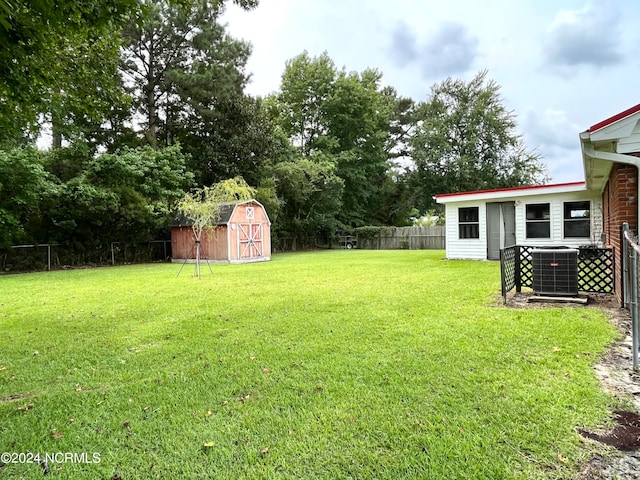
(473,248)
(557,219)
(476,249)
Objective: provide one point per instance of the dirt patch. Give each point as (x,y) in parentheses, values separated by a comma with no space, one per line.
(599,300)
(618,378)
(625,435)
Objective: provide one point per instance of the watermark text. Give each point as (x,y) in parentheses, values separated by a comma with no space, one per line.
(49,457)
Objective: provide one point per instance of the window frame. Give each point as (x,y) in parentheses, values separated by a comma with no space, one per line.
(537,221)
(575,220)
(465,228)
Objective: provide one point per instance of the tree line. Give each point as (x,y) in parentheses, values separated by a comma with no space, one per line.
(144,100)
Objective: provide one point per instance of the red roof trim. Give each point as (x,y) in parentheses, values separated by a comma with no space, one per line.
(605,123)
(511,189)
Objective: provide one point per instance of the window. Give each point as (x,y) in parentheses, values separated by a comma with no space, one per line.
(249,213)
(468,222)
(538,220)
(577,219)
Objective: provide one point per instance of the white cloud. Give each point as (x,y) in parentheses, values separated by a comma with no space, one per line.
(450,50)
(550,128)
(404,45)
(556,139)
(586,37)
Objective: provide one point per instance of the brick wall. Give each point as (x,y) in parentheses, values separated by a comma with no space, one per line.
(619,204)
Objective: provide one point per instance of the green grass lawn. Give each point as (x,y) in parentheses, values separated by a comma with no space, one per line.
(332,364)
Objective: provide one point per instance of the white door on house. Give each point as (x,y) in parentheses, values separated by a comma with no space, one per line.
(501,227)
(250,240)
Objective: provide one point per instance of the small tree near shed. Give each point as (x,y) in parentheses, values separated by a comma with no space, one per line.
(202,207)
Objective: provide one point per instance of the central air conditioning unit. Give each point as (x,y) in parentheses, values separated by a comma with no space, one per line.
(555,271)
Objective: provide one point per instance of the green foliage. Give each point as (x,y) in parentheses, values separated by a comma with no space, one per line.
(359,119)
(333,149)
(182,64)
(90,92)
(306,86)
(237,139)
(51,49)
(202,206)
(309,192)
(267,195)
(371,232)
(431,218)
(128,196)
(402,125)
(23,184)
(346,117)
(188,80)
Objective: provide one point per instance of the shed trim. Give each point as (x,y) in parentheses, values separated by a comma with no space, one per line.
(512,192)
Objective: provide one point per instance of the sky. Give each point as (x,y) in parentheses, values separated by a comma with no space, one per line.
(562,65)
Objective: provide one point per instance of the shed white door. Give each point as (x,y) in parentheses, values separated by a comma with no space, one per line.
(501,228)
(250,240)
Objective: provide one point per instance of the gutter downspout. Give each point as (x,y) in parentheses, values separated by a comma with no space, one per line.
(588,149)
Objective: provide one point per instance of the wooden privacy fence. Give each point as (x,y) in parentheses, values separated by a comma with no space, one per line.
(409,238)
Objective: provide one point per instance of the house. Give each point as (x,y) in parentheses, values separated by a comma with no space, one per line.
(479,224)
(243,234)
(569,214)
(611,158)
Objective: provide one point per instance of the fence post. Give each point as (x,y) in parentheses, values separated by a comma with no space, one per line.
(625,265)
(502,277)
(634,306)
(517,273)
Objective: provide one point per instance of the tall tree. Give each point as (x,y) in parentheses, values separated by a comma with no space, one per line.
(307,84)
(89,90)
(466,139)
(235,137)
(344,116)
(401,126)
(177,59)
(358,119)
(35,36)
(188,76)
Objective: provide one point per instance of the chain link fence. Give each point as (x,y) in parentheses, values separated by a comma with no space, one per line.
(631,283)
(51,256)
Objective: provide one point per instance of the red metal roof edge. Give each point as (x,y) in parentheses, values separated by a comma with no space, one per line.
(619,116)
(510,189)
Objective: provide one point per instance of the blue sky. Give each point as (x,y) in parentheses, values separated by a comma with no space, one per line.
(562,65)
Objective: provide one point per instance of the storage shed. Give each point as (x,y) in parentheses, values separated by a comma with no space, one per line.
(242,235)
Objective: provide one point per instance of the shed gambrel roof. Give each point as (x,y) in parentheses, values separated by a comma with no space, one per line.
(226,211)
